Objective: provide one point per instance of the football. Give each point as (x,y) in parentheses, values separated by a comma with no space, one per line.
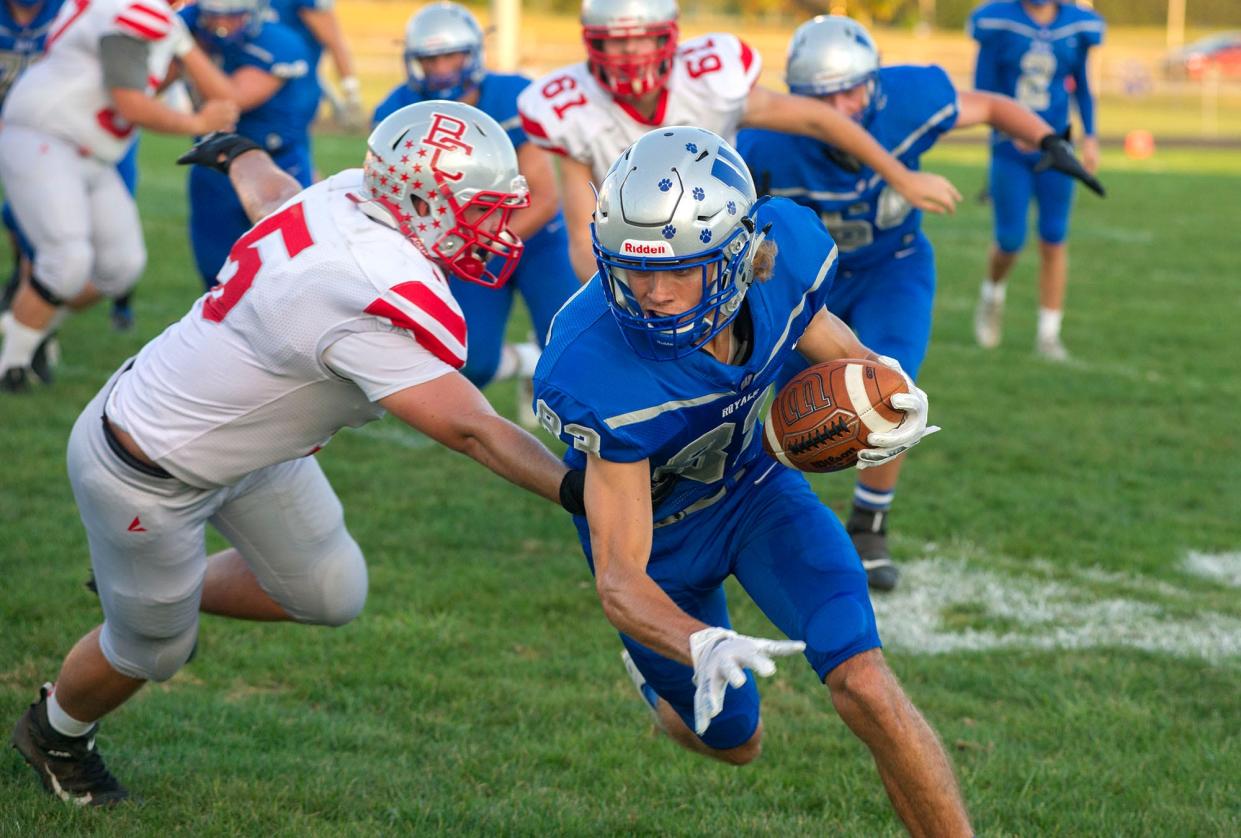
(826,413)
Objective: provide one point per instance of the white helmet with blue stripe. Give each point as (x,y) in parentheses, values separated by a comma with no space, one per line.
(830,54)
(439,29)
(680,197)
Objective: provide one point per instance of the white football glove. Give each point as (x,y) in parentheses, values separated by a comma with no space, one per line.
(352,116)
(720,657)
(912,429)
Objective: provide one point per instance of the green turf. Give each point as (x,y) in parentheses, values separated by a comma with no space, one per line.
(481,690)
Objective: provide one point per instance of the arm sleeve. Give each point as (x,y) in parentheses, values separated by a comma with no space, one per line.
(986,68)
(383,363)
(124,61)
(1084,97)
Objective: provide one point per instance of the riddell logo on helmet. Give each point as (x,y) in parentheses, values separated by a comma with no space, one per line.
(633,247)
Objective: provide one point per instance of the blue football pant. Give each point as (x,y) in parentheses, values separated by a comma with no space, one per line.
(791,555)
(1013,182)
(217,218)
(544,278)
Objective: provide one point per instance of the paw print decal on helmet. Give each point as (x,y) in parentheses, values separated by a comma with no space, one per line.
(699,194)
(692,148)
(705,236)
(669,231)
(664,185)
(732,207)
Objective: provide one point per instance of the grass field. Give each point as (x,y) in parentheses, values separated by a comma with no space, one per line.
(1070,619)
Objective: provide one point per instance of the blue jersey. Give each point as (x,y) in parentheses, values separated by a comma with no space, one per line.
(1032,62)
(20,44)
(694,418)
(288,13)
(497,97)
(283,121)
(869,220)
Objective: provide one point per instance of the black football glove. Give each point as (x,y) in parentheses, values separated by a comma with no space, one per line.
(218,150)
(1058,154)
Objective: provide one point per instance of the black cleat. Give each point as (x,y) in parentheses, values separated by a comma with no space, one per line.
(869,531)
(68,766)
(16,380)
(45,360)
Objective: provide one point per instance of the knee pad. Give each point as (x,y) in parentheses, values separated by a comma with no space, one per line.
(46,294)
(1053,231)
(65,268)
(1010,240)
(118,271)
(146,639)
(341,582)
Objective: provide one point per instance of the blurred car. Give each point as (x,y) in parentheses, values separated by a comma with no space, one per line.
(1220,53)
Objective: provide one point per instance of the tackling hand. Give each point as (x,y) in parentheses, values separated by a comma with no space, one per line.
(217,150)
(1058,155)
(720,657)
(912,429)
(928,192)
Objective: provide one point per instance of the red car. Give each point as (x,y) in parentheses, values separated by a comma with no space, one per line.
(1220,53)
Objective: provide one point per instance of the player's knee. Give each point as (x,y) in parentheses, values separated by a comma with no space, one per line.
(845,622)
(342,584)
(1053,232)
(148,639)
(118,272)
(480,370)
(65,267)
(1010,240)
(863,689)
(747,752)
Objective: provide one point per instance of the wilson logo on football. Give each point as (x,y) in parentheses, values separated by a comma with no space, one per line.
(633,247)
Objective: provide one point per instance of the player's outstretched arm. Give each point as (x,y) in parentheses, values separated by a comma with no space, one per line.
(579,207)
(794,114)
(451,411)
(535,165)
(326,28)
(260,184)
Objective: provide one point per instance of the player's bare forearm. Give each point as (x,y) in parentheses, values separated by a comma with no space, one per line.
(1002,113)
(910,758)
(515,455)
(261,185)
(209,80)
(137,107)
(579,208)
(827,338)
(618,510)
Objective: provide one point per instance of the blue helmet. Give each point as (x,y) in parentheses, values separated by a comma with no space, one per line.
(439,29)
(217,9)
(678,198)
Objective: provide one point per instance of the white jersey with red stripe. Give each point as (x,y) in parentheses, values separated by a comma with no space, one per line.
(320,313)
(63,93)
(570,113)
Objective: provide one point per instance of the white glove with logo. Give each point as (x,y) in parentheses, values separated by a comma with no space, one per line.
(720,657)
(912,429)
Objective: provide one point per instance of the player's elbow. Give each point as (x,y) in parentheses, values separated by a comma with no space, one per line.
(613,588)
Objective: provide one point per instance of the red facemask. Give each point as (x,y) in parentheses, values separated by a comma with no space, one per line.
(631,75)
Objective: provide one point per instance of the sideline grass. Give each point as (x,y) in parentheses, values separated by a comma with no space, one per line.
(481,690)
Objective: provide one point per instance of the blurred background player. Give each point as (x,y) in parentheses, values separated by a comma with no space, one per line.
(315,22)
(692,298)
(345,317)
(269,68)
(444,60)
(23,32)
(886,281)
(636,77)
(1033,50)
(66,122)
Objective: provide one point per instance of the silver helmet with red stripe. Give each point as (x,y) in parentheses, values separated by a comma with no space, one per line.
(445,175)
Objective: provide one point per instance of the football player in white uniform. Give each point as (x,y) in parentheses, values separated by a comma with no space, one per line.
(330,311)
(67,121)
(636,77)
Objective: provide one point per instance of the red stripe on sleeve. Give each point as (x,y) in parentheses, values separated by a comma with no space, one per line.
(747,55)
(423,297)
(157,13)
(425,339)
(533,128)
(139,30)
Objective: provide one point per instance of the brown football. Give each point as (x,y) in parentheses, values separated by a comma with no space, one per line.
(826,413)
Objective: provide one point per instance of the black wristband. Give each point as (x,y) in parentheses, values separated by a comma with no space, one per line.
(573,491)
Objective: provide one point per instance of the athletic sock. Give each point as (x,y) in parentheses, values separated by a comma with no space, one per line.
(872,500)
(20,343)
(1049,324)
(517,360)
(62,722)
(993,292)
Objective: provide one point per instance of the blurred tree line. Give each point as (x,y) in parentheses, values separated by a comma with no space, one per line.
(949,14)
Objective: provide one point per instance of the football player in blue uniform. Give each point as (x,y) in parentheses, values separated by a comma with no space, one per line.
(270,70)
(655,374)
(444,60)
(886,280)
(1034,51)
(315,22)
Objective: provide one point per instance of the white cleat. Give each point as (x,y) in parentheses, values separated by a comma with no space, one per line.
(1051,350)
(526,416)
(649,696)
(989,322)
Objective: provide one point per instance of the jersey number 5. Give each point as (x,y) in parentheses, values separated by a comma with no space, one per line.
(290,224)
